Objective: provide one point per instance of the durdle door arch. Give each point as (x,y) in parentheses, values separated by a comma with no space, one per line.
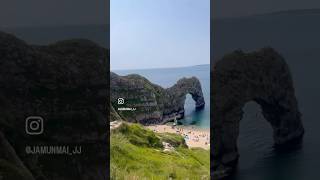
(155,104)
(262,77)
(182,88)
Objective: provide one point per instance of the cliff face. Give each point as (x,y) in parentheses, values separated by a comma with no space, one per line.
(238,78)
(66,84)
(153,104)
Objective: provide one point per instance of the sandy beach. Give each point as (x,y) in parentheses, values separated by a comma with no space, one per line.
(195,137)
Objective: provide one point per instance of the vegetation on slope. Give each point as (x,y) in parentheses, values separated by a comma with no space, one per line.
(137,153)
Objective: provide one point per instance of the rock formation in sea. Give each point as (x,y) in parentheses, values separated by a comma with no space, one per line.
(262,77)
(153,104)
(66,84)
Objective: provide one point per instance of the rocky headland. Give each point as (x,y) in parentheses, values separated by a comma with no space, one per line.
(66,84)
(152,103)
(263,77)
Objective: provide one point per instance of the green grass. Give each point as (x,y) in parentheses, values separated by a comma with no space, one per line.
(136,153)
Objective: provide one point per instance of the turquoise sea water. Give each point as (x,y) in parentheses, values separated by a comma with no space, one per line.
(167,77)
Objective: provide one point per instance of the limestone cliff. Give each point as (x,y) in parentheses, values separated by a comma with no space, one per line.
(263,77)
(153,104)
(66,84)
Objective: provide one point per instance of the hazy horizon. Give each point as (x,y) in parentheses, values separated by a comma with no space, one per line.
(177,67)
(159,34)
(236,8)
(267,13)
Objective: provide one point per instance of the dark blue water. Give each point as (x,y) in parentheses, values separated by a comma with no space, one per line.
(167,77)
(297,38)
(258,158)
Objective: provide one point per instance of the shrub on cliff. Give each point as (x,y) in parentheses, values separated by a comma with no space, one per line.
(136,153)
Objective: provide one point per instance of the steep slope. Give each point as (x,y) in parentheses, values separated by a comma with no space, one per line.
(137,153)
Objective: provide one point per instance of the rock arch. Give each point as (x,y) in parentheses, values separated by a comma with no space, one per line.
(262,77)
(184,86)
(155,105)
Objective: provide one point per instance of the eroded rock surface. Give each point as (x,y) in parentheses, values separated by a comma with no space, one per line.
(153,104)
(66,84)
(263,77)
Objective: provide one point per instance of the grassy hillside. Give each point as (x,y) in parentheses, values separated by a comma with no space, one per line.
(137,153)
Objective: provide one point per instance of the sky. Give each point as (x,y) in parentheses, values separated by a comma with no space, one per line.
(159,33)
(236,8)
(17,13)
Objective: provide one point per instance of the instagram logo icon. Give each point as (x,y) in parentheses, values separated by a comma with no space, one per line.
(34,125)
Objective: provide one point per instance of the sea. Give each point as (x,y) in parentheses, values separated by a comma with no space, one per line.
(296,37)
(167,77)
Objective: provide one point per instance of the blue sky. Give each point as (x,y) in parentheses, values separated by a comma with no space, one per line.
(159,33)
